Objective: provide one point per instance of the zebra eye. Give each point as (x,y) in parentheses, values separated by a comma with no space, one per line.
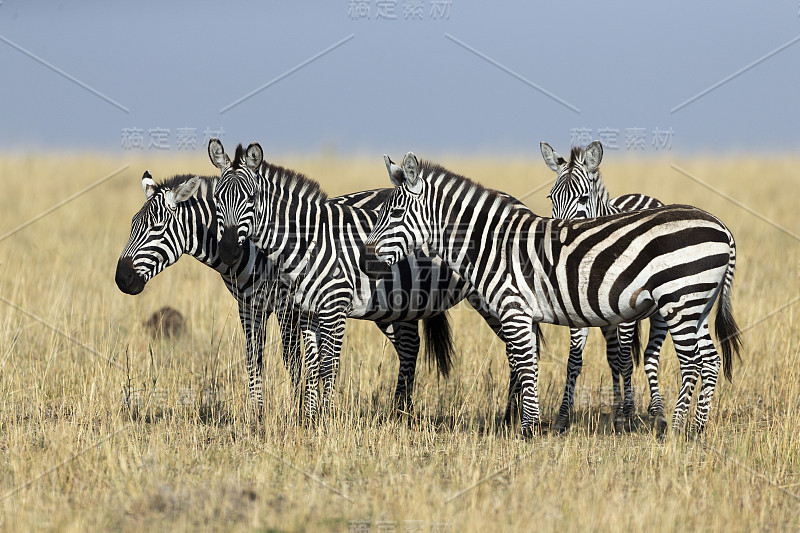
(397,213)
(583,199)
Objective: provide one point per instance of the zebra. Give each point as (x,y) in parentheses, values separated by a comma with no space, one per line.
(579,192)
(319,249)
(674,260)
(179,217)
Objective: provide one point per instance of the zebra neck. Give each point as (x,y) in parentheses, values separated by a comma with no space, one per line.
(197,236)
(604,206)
(288,230)
(199,226)
(460,235)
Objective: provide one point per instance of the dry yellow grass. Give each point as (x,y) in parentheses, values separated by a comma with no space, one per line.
(182,452)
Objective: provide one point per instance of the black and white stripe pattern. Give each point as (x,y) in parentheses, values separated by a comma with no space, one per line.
(675,261)
(179,217)
(579,192)
(318,247)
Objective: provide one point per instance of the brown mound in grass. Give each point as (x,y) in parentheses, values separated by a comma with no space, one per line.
(167,322)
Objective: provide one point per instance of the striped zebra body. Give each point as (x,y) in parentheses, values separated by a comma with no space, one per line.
(179,217)
(629,202)
(319,249)
(579,192)
(675,261)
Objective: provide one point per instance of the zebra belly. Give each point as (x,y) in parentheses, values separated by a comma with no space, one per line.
(412,289)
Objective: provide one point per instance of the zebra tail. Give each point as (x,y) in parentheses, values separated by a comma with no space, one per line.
(636,344)
(728,333)
(540,340)
(439,342)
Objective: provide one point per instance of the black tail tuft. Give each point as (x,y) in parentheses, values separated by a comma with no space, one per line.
(541,341)
(636,344)
(439,342)
(728,333)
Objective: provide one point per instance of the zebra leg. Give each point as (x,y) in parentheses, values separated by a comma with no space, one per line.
(309,326)
(625,334)
(513,402)
(521,347)
(289,323)
(577,341)
(658,333)
(512,405)
(404,336)
(708,374)
(331,335)
(251,315)
(612,354)
(684,337)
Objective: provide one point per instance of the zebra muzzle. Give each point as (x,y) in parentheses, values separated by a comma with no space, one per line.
(229,250)
(128,280)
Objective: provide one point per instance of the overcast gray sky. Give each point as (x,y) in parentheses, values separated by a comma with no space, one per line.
(389,76)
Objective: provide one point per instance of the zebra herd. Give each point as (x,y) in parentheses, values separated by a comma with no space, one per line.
(401,255)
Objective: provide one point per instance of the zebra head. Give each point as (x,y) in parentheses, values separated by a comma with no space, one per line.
(402,226)
(157,237)
(235,196)
(574,194)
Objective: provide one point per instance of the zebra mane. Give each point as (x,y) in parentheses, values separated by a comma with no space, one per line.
(577,157)
(430,169)
(238,158)
(600,188)
(284,177)
(179,179)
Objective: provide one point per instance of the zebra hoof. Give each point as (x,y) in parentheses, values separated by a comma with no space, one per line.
(622,423)
(255,404)
(256,411)
(660,425)
(512,416)
(561,425)
(403,408)
(531,432)
(693,433)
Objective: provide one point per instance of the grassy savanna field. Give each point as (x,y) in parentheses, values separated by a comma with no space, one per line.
(183,452)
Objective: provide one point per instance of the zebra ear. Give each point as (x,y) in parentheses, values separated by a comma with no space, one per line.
(551,157)
(395,172)
(593,156)
(411,168)
(217,154)
(187,189)
(255,155)
(148,185)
